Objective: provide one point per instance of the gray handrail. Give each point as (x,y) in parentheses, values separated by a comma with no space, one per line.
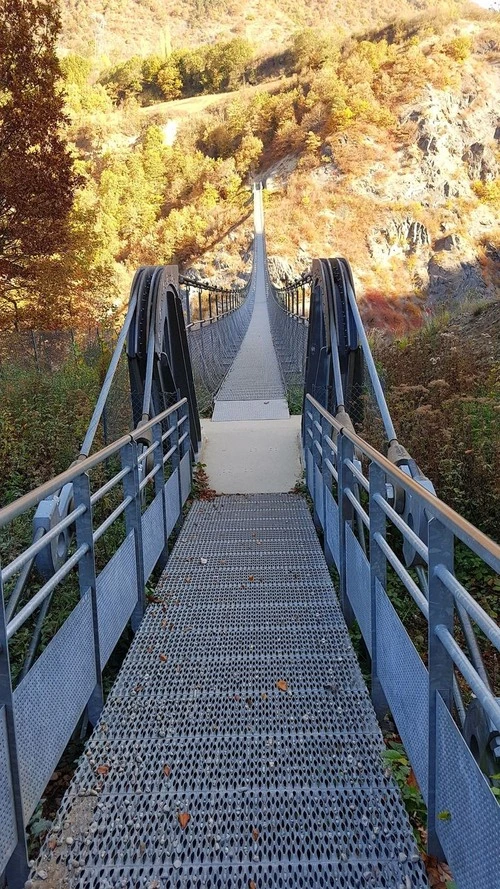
(33,498)
(464,530)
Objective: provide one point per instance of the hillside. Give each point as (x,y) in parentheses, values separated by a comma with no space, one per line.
(123,28)
(381,146)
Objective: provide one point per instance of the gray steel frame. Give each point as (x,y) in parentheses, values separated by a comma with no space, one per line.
(463,814)
(67,677)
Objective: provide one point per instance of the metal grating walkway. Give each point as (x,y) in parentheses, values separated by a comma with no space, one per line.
(275,785)
(253,388)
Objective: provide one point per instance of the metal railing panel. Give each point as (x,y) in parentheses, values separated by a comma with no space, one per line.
(422,696)
(50,700)
(405,682)
(318,494)
(309,472)
(468,815)
(117,596)
(358,584)
(332,525)
(153,535)
(172,501)
(185,471)
(8,832)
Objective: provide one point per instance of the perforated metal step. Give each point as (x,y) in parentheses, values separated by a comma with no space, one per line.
(283,784)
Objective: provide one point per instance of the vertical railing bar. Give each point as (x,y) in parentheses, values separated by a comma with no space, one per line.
(345,452)
(327,486)
(159,483)
(87,582)
(378,575)
(17,868)
(440,664)
(133,523)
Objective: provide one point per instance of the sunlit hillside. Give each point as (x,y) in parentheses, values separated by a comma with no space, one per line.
(122,28)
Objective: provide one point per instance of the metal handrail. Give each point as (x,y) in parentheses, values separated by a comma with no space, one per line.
(33,498)
(423,693)
(464,530)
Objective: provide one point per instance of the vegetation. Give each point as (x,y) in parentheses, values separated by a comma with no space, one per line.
(37,176)
(443,389)
(211,69)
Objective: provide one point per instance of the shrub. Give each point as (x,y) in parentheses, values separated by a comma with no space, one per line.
(459,48)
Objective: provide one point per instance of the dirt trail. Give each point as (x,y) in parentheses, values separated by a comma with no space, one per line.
(179,108)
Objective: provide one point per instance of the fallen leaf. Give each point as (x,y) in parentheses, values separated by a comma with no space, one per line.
(411,780)
(444,815)
(163,658)
(252,885)
(138,688)
(52,844)
(282,685)
(167,771)
(255,834)
(164,624)
(184,818)
(103,770)
(251,577)
(264,696)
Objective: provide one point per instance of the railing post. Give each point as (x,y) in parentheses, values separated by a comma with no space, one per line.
(18,868)
(440,664)
(209,303)
(133,522)
(188,305)
(316,461)
(159,482)
(199,304)
(306,439)
(378,575)
(327,485)
(216,305)
(345,451)
(87,581)
(176,459)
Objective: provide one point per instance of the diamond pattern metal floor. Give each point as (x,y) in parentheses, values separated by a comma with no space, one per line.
(238,747)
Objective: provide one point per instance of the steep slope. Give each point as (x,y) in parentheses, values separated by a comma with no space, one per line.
(413,201)
(122,28)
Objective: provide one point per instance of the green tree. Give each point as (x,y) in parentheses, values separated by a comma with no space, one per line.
(248,154)
(169,79)
(124,81)
(311,49)
(36,172)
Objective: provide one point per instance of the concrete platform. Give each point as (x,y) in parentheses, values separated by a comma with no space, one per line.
(248,457)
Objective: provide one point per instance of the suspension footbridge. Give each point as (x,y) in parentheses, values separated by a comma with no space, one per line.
(239,745)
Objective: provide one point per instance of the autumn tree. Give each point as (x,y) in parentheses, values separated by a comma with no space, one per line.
(36,173)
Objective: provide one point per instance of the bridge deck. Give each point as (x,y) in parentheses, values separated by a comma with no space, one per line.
(253,388)
(238,747)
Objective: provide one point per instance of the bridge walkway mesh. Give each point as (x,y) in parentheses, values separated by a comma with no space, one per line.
(254,389)
(238,747)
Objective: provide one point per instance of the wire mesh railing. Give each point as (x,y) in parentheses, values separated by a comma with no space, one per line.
(288,316)
(217,320)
